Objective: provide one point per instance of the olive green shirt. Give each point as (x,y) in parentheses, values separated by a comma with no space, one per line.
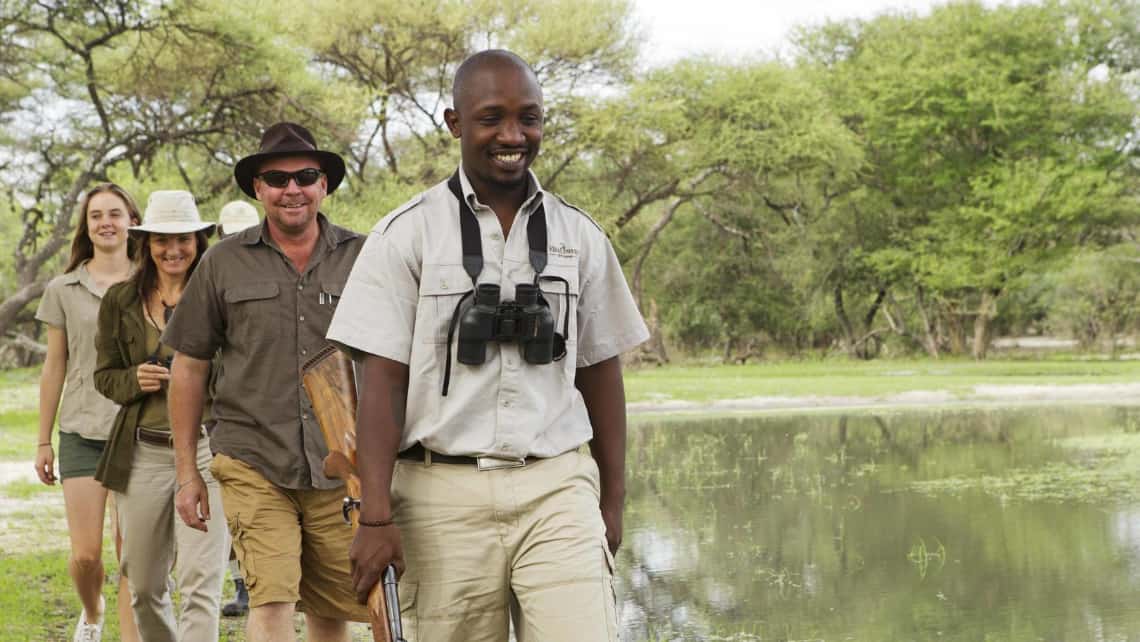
(120,346)
(247,301)
(154,415)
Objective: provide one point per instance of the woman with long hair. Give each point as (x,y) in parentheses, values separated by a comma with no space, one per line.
(101,254)
(133,369)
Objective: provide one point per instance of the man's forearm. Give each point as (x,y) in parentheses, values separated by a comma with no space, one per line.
(603,391)
(379,427)
(186,397)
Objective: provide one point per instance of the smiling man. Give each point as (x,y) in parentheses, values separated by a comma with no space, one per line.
(473,419)
(264,297)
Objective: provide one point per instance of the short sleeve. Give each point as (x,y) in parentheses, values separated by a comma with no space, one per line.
(50,309)
(377,312)
(198,327)
(609,322)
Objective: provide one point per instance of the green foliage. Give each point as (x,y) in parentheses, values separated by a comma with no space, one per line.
(904,182)
(1097,296)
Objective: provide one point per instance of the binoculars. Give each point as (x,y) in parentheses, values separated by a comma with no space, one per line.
(156,360)
(526,320)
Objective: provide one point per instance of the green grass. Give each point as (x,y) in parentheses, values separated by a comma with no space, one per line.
(40,602)
(851,378)
(19,430)
(25,490)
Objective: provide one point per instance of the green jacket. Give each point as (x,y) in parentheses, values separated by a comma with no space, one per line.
(120,345)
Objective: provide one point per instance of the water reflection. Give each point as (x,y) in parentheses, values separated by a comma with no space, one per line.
(944,525)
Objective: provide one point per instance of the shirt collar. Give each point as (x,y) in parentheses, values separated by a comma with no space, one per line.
(533,191)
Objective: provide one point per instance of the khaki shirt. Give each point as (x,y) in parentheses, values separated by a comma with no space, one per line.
(71,303)
(402,293)
(247,300)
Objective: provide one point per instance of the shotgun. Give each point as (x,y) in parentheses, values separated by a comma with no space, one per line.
(331,385)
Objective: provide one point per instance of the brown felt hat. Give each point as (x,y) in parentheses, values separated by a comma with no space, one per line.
(288,139)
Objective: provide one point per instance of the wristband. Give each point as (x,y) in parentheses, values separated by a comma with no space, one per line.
(44,443)
(379,524)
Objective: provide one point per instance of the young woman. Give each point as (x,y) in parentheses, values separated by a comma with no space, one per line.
(100,257)
(133,369)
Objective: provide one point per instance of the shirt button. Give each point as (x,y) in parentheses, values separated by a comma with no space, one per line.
(301,318)
(300,287)
(495,236)
(304,415)
(304,351)
(506,403)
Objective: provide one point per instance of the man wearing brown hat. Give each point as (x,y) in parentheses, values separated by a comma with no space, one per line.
(264,297)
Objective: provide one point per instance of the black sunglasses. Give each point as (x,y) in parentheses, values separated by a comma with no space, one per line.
(279,179)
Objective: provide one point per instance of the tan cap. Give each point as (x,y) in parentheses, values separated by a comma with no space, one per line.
(236,216)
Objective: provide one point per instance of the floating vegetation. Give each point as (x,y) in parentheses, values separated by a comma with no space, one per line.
(1103,469)
(921,556)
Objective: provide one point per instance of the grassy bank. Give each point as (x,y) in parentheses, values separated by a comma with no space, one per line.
(862,379)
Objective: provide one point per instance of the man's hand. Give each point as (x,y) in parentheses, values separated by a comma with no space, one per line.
(372,550)
(193,502)
(612,516)
(151,376)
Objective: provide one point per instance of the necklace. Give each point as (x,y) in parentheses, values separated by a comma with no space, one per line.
(167,310)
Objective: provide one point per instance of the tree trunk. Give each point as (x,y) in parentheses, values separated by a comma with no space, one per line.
(845,322)
(929,339)
(986,312)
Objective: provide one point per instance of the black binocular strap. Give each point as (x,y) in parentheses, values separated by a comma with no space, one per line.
(473,241)
(450,337)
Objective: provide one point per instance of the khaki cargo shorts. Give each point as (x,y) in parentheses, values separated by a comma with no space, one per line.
(291,545)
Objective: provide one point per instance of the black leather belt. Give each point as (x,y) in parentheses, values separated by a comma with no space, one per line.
(157,437)
(419,453)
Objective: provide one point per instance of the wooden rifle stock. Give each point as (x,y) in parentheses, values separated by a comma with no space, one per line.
(331,385)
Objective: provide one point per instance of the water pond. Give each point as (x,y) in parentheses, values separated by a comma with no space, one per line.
(987,525)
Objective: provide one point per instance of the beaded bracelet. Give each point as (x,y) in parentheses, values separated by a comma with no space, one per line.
(44,443)
(380,524)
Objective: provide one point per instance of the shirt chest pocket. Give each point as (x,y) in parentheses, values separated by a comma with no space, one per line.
(255,310)
(441,288)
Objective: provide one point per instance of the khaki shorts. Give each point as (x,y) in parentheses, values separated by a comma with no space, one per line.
(521,543)
(291,545)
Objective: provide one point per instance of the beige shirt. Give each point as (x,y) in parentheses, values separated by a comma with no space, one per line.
(403,291)
(247,300)
(71,303)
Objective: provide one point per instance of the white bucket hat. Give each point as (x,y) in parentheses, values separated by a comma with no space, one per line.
(236,216)
(172,212)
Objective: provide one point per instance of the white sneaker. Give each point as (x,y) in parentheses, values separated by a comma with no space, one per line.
(85,632)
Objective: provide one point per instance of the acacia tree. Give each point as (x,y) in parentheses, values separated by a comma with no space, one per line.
(1000,138)
(754,154)
(124,85)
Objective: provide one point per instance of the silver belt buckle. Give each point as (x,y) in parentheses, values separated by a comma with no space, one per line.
(495,463)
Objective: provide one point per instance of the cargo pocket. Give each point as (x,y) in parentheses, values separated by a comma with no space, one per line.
(244,560)
(610,593)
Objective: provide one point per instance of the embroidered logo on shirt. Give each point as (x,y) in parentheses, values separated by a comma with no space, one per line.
(563,251)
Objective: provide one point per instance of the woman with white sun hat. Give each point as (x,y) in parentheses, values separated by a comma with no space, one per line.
(132,369)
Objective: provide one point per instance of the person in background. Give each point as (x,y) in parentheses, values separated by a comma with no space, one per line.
(101,254)
(133,369)
(235,217)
